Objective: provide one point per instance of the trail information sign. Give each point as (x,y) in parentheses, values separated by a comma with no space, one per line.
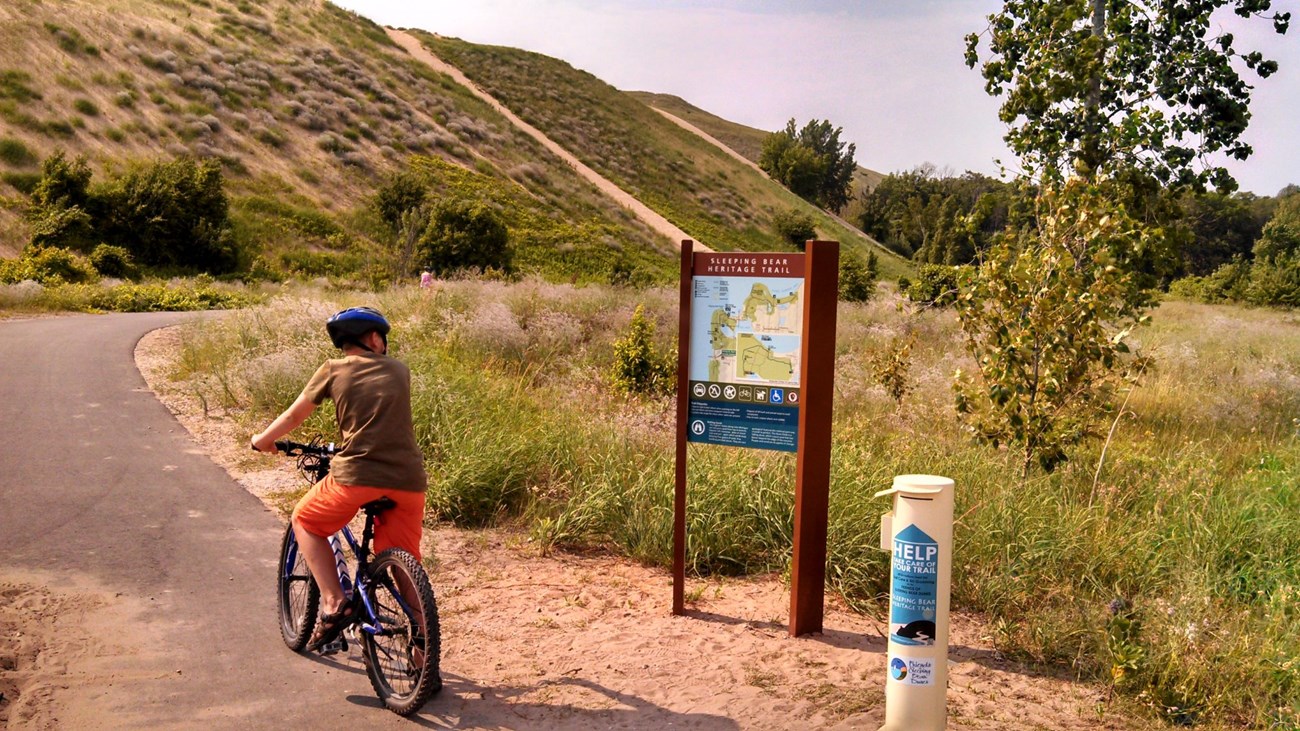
(746,340)
(756,368)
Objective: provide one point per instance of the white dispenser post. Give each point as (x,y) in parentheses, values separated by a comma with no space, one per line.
(919,535)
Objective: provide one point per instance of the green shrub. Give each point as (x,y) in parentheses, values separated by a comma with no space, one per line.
(68,227)
(86,107)
(166,214)
(48,266)
(1275,282)
(144,297)
(319,263)
(402,192)
(14,85)
(465,235)
(112,261)
(639,368)
(24,183)
(935,286)
(858,279)
(795,227)
(64,184)
(16,154)
(170,214)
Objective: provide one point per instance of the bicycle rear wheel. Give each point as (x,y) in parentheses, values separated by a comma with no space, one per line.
(297,595)
(401,657)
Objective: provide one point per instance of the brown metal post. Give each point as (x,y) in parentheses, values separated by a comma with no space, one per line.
(813,462)
(683,399)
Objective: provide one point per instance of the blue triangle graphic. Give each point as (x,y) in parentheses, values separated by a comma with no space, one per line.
(912,534)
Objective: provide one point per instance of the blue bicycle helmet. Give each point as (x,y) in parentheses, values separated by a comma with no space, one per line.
(350,325)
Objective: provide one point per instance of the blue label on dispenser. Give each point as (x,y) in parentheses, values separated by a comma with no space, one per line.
(914,588)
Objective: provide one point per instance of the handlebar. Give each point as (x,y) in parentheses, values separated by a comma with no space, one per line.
(313,457)
(298,449)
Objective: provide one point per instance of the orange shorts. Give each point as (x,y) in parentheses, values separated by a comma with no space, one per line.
(328,506)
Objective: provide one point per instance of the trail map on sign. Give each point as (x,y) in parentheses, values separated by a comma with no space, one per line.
(747,330)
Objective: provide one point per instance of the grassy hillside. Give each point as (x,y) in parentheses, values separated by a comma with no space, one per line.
(308,106)
(310,109)
(748,141)
(688,180)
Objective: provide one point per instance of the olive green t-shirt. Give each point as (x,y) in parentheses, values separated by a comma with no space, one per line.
(372,403)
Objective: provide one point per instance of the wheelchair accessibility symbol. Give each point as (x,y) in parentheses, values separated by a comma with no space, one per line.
(697,427)
(778,395)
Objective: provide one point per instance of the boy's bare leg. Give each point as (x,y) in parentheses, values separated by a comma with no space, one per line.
(320,560)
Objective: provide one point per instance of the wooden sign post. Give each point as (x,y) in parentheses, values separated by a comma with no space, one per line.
(756,369)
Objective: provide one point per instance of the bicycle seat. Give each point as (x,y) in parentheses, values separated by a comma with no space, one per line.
(375,507)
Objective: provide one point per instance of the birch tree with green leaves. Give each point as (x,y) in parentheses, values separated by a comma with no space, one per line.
(1109,105)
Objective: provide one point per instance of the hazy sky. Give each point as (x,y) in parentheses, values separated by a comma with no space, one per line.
(890,72)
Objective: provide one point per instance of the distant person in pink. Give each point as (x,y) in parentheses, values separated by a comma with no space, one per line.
(426,279)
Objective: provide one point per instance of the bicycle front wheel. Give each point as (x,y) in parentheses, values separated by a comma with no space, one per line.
(401,653)
(297,595)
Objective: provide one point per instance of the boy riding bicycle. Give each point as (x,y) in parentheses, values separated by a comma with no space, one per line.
(379,456)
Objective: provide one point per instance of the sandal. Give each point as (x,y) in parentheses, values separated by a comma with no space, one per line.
(330,627)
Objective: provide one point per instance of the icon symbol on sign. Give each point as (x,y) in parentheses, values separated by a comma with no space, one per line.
(778,395)
(898,668)
(746,393)
(697,427)
(729,392)
(698,389)
(760,394)
(715,390)
(793,397)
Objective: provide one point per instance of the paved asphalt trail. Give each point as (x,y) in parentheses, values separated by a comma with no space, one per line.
(101,486)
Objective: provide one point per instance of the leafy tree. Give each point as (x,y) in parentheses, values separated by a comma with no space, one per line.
(1221,227)
(936,285)
(1040,316)
(937,219)
(64,183)
(465,234)
(1109,102)
(812,162)
(1095,86)
(112,261)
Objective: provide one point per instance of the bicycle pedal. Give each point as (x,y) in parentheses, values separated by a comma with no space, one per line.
(330,648)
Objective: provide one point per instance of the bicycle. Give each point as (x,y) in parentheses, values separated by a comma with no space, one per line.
(395,614)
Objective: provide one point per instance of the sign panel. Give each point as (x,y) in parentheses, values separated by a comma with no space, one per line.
(915,588)
(746,342)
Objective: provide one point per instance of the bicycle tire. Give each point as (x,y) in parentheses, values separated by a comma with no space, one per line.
(403,674)
(297,596)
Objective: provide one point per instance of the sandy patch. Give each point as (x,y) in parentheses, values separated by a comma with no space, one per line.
(59,633)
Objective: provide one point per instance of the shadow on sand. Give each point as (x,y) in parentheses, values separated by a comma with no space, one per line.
(466,704)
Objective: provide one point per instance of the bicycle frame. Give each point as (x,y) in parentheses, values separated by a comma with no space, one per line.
(314,462)
(368,621)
